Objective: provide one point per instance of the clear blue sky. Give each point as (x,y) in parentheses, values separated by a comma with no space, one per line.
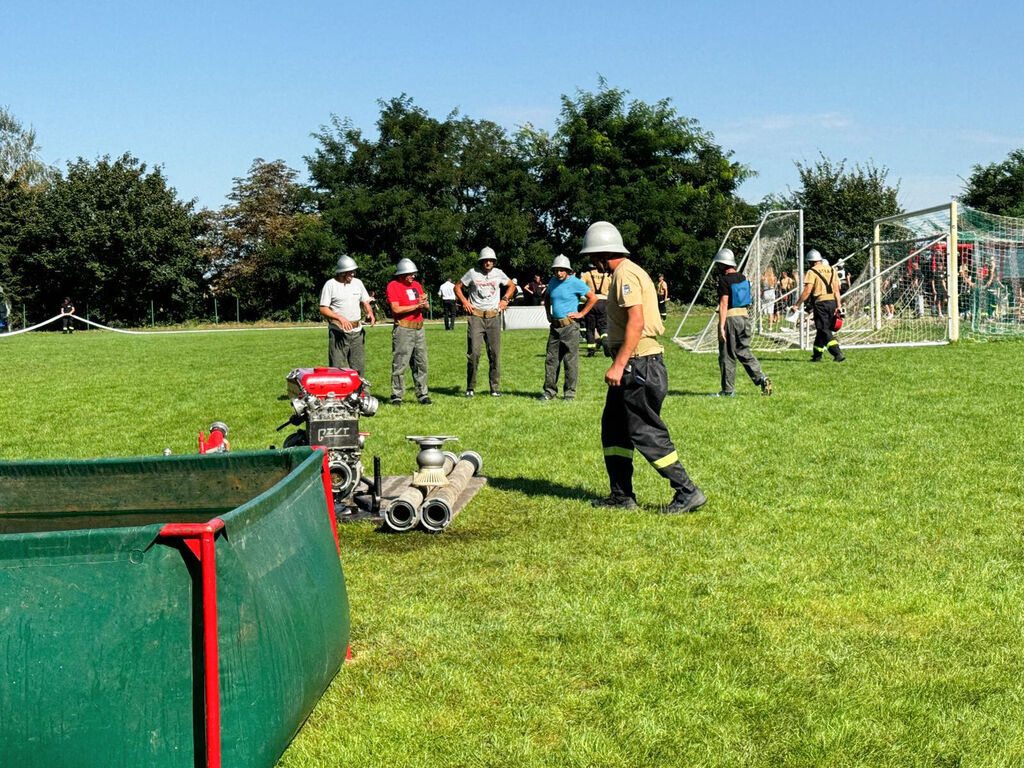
(926,89)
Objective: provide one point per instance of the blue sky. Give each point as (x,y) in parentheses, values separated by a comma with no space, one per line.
(925,89)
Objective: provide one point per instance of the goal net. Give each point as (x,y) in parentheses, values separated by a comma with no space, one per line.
(910,291)
(771,259)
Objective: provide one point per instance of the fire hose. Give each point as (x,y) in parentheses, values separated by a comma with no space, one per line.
(438,508)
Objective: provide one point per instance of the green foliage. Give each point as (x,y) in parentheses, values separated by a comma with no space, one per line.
(998,187)
(850,596)
(114,237)
(267,247)
(425,189)
(841,204)
(658,176)
(19,154)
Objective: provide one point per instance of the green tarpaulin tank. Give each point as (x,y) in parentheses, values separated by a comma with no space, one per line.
(173,611)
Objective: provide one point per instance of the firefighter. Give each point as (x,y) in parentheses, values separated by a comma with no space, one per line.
(637,380)
(734,326)
(597,319)
(340,302)
(484,306)
(821,291)
(562,305)
(408,340)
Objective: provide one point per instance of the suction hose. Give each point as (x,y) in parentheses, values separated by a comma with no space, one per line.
(437,510)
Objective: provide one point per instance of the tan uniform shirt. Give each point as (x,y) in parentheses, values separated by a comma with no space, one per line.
(824,280)
(631,286)
(597,281)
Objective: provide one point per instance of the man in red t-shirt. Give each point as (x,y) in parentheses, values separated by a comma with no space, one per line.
(408,340)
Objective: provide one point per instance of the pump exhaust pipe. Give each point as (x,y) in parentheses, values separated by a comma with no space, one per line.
(438,509)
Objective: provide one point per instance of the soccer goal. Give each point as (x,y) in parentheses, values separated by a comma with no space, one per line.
(771,257)
(909,290)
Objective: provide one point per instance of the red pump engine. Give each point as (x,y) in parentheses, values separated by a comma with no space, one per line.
(328,403)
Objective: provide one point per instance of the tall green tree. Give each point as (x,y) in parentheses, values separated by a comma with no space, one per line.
(998,187)
(840,205)
(658,176)
(431,190)
(114,236)
(267,247)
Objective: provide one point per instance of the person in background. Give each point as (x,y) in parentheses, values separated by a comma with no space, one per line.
(67,309)
(534,291)
(637,380)
(734,326)
(597,319)
(408,339)
(662,290)
(484,306)
(448,299)
(340,301)
(769,296)
(561,304)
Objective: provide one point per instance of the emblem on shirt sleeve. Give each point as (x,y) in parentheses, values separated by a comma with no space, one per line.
(625,290)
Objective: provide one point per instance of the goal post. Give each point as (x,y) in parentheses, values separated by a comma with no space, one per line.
(772,260)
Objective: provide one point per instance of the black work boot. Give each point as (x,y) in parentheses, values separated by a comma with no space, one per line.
(684,503)
(615,502)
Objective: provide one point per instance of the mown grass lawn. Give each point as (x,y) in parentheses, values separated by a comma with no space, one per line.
(850,595)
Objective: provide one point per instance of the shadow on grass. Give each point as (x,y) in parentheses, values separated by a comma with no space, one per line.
(533,486)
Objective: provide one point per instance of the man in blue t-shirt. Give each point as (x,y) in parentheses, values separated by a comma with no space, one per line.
(561,302)
(734,326)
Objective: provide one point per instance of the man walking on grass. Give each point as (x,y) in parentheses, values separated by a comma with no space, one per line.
(637,380)
(734,326)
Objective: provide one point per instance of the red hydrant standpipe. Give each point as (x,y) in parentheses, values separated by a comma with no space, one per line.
(217,441)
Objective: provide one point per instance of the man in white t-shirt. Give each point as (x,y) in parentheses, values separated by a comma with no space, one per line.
(340,302)
(448,299)
(484,306)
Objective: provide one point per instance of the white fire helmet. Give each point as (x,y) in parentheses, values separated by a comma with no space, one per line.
(603,237)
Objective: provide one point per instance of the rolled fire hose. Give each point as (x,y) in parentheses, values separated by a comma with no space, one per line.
(437,510)
(403,513)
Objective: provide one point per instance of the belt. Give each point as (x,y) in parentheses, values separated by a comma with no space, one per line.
(486,314)
(736,312)
(414,324)
(602,297)
(562,322)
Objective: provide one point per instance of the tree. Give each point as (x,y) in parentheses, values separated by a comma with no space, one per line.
(840,205)
(115,237)
(434,191)
(658,176)
(19,153)
(998,187)
(266,247)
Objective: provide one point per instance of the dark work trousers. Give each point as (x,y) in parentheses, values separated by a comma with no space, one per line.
(632,419)
(824,313)
(484,332)
(596,323)
(563,348)
(347,349)
(66,323)
(408,348)
(737,347)
(449,315)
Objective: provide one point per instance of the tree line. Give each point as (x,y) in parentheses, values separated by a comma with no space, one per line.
(114,235)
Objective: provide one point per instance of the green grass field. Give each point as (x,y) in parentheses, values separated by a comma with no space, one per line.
(850,595)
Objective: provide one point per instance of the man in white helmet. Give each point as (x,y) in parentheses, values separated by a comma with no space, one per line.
(408,339)
(340,302)
(821,290)
(484,306)
(637,379)
(562,305)
(734,299)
